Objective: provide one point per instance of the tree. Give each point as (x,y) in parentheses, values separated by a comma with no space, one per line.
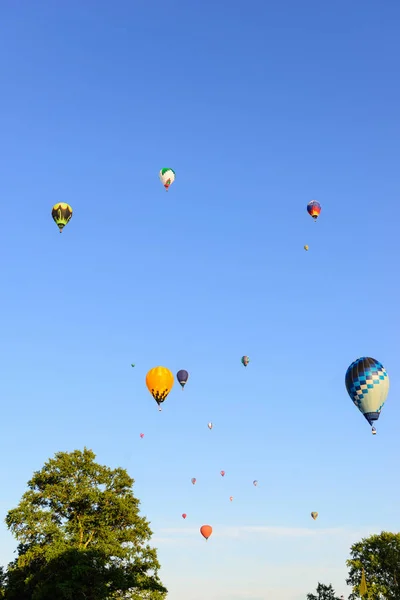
(324,592)
(81,536)
(379,556)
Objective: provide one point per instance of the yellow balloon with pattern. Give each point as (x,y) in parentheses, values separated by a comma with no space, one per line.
(61,214)
(306,247)
(314,515)
(159,382)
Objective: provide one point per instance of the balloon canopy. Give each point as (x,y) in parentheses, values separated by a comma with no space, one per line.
(62,214)
(206,531)
(367,384)
(159,382)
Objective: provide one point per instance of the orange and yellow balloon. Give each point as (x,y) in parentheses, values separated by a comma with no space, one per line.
(159,382)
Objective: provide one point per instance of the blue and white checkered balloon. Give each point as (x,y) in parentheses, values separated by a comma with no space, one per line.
(367,384)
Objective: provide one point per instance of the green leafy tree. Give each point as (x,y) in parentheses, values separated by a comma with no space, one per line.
(324,592)
(81,536)
(3,580)
(379,556)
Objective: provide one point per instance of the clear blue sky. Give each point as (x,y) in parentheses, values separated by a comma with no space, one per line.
(259,107)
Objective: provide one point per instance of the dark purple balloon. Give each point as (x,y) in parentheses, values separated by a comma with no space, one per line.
(182,376)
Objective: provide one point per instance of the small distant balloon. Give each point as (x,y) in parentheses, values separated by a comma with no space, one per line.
(193,480)
(182,377)
(306,247)
(184,515)
(255,482)
(231,498)
(314,515)
(245,360)
(142,435)
(62,214)
(314,209)
(222,473)
(210,425)
(132,365)
(167,177)
(206,531)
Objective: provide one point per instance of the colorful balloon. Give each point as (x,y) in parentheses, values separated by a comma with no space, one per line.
(314,209)
(245,360)
(231,498)
(314,515)
(206,531)
(167,177)
(132,365)
(306,247)
(62,214)
(210,426)
(222,473)
(142,435)
(182,377)
(367,384)
(193,480)
(255,482)
(159,382)
(184,516)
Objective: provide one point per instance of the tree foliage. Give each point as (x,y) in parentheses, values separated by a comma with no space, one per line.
(81,536)
(324,592)
(379,556)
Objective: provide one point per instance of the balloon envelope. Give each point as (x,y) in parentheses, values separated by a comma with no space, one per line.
(222,473)
(314,515)
(182,377)
(314,209)
(367,384)
(193,480)
(255,482)
(245,360)
(142,435)
(184,515)
(62,214)
(167,177)
(159,382)
(206,531)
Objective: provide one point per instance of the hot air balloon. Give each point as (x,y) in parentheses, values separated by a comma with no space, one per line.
(210,426)
(132,365)
(306,247)
(255,482)
(159,382)
(142,435)
(182,377)
(231,498)
(184,516)
(314,209)
(245,360)
(367,384)
(61,214)
(222,473)
(314,515)
(206,531)
(167,177)
(193,480)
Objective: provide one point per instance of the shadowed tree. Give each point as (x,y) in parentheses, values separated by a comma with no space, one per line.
(379,556)
(324,592)
(81,536)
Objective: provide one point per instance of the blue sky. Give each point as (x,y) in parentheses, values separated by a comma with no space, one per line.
(259,107)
